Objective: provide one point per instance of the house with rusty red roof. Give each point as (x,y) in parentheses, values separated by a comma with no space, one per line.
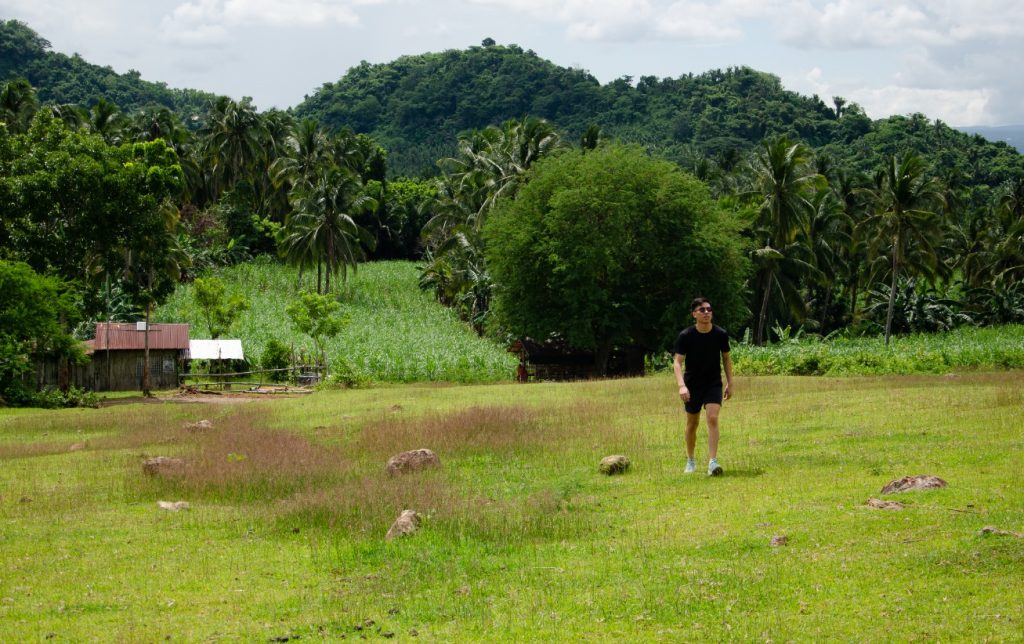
(117,355)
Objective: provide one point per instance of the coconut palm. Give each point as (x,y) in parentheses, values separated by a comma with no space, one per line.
(17,105)
(106,120)
(490,165)
(322,229)
(783,185)
(234,138)
(903,228)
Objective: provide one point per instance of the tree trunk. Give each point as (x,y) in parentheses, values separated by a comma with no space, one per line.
(759,337)
(145,354)
(892,296)
(106,334)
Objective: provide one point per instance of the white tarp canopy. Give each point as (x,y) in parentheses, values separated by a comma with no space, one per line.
(215,350)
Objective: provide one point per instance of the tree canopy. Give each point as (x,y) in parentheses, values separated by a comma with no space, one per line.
(35,314)
(607,249)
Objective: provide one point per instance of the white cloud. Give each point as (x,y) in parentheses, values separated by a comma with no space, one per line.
(954,106)
(854,24)
(208,22)
(639,20)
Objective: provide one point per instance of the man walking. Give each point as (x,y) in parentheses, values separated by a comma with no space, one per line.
(700,352)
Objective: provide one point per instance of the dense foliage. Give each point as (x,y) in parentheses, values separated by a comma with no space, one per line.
(35,312)
(604,249)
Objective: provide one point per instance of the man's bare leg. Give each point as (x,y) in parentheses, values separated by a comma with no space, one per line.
(712,417)
(692,420)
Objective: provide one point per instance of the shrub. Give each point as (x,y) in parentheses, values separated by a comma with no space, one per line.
(276,355)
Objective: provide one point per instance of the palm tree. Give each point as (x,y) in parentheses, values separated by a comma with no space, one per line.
(783,185)
(903,226)
(307,151)
(850,193)
(322,228)
(490,165)
(17,105)
(828,235)
(73,116)
(106,120)
(234,139)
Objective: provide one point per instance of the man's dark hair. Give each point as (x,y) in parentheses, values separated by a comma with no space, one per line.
(697,301)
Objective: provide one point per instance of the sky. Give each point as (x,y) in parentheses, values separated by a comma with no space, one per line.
(960,61)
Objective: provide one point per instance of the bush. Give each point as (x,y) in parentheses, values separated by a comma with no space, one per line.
(276,355)
(56,399)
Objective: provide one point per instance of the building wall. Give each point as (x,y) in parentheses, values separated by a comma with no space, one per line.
(125,371)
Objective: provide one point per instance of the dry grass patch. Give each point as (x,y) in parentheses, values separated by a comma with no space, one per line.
(483,429)
(239,461)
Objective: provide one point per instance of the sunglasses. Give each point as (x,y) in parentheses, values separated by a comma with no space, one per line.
(703,309)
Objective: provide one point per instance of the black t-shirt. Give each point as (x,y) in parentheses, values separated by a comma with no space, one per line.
(703,353)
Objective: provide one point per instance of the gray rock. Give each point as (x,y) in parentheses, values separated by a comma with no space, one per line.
(199,426)
(412,461)
(157,464)
(920,482)
(407,523)
(614,464)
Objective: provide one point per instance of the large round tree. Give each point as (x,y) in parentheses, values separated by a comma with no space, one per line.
(607,249)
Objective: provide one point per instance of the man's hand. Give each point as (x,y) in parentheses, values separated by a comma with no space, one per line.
(684,393)
(727,392)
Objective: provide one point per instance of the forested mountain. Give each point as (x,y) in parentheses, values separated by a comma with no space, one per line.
(416,105)
(59,79)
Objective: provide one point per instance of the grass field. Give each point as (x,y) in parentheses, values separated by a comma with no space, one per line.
(523,539)
(397,333)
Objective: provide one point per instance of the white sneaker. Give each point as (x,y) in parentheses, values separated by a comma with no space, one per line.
(714,469)
(691,466)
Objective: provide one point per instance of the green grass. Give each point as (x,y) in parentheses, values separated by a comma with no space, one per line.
(397,333)
(524,540)
(963,348)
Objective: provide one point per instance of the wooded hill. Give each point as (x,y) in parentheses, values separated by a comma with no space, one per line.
(60,79)
(416,105)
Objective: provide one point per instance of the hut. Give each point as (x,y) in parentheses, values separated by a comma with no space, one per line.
(553,359)
(118,355)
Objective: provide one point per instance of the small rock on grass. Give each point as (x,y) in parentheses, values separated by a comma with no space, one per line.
(159,464)
(412,461)
(174,506)
(614,464)
(779,540)
(883,505)
(920,482)
(198,426)
(407,523)
(990,529)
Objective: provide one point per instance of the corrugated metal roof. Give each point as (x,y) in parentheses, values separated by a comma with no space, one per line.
(215,350)
(127,336)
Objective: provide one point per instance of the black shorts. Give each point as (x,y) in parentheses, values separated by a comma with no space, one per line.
(701,396)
